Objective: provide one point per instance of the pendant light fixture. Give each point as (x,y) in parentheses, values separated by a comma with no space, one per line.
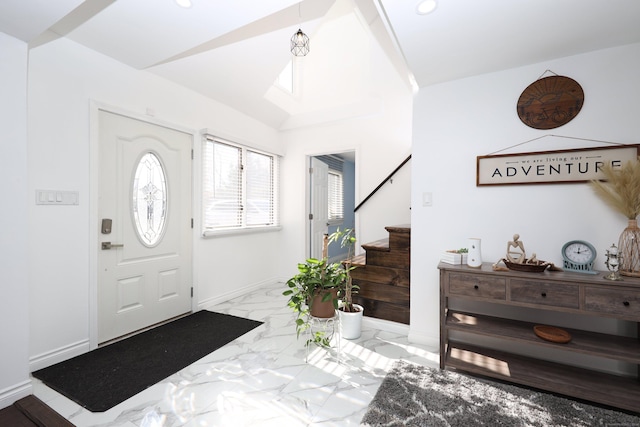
(299,43)
(299,40)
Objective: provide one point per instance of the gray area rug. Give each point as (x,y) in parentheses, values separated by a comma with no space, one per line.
(413,395)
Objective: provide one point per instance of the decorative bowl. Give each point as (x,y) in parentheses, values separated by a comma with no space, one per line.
(533,268)
(551,333)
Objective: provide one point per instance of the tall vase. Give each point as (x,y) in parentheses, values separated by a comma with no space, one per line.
(474,257)
(629,249)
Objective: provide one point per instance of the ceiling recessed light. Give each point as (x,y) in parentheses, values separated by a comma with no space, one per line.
(426,6)
(184,3)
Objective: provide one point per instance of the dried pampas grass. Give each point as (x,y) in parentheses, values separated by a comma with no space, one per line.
(621,190)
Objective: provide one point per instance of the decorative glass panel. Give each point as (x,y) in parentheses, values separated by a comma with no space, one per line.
(149,199)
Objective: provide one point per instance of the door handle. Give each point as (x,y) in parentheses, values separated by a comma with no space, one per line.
(109,245)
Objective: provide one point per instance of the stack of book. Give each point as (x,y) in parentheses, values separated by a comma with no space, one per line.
(452,257)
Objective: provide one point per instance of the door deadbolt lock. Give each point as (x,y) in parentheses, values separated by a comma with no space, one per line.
(106,226)
(109,245)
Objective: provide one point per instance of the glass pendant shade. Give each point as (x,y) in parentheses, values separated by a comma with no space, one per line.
(299,43)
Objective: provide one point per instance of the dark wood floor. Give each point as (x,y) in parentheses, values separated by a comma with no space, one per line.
(29,412)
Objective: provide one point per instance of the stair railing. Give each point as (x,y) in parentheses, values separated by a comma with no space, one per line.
(384,181)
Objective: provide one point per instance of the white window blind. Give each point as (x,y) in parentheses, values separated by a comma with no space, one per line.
(336,188)
(260,189)
(336,202)
(240,187)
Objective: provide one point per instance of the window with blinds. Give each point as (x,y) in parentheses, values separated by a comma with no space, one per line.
(336,203)
(336,188)
(239,188)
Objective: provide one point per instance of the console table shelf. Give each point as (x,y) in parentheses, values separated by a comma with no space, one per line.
(572,293)
(612,390)
(585,342)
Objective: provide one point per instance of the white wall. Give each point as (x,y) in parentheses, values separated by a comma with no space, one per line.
(14,230)
(457,121)
(64,78)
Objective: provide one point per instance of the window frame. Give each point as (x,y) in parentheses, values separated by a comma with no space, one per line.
(208,170)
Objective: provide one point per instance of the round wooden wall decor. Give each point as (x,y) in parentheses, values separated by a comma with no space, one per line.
(550,102)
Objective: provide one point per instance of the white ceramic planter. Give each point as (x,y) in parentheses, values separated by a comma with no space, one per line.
(351,323)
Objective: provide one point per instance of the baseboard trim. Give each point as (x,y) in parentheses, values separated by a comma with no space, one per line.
(423,339)
(15,392)
(210,302)
(385,325)
(58,355)
(401,328)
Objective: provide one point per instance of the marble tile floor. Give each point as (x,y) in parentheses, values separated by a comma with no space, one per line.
(264,378)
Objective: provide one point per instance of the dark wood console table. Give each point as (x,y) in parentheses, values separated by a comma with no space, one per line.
(580,294)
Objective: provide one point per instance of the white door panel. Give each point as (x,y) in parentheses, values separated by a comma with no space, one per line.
(319,205)
(148,279)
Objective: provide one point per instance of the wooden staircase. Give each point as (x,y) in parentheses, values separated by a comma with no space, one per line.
(383,276)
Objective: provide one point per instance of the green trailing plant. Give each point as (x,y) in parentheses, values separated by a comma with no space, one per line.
(621,189)
(318,276)
(315,276)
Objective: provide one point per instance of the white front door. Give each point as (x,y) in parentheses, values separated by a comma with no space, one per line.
(319,208)
(144,208)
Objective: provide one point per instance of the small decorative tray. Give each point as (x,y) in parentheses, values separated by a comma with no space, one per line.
(553,334)
(539,267)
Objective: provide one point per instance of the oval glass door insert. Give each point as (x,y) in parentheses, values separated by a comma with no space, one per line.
(149,202)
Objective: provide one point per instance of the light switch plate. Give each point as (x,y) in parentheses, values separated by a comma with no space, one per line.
(55,197)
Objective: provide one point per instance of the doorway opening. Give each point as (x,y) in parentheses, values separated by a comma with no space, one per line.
(331,200)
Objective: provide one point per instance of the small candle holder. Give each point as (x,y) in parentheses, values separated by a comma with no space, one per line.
(613,263)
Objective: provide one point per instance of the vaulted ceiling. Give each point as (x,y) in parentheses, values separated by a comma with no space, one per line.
(233,51)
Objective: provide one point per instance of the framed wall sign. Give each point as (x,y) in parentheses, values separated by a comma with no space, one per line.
(551,167)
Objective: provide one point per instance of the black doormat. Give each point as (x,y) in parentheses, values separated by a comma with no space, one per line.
(102,378)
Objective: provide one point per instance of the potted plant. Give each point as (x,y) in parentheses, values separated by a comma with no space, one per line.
(350,314)
(313,292)
(621,191)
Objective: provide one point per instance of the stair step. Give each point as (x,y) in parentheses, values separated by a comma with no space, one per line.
(382,292)
(378,245)
(384,275)
(359,260)
(383,310)
(399,237)
(404,228)
(392,259)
